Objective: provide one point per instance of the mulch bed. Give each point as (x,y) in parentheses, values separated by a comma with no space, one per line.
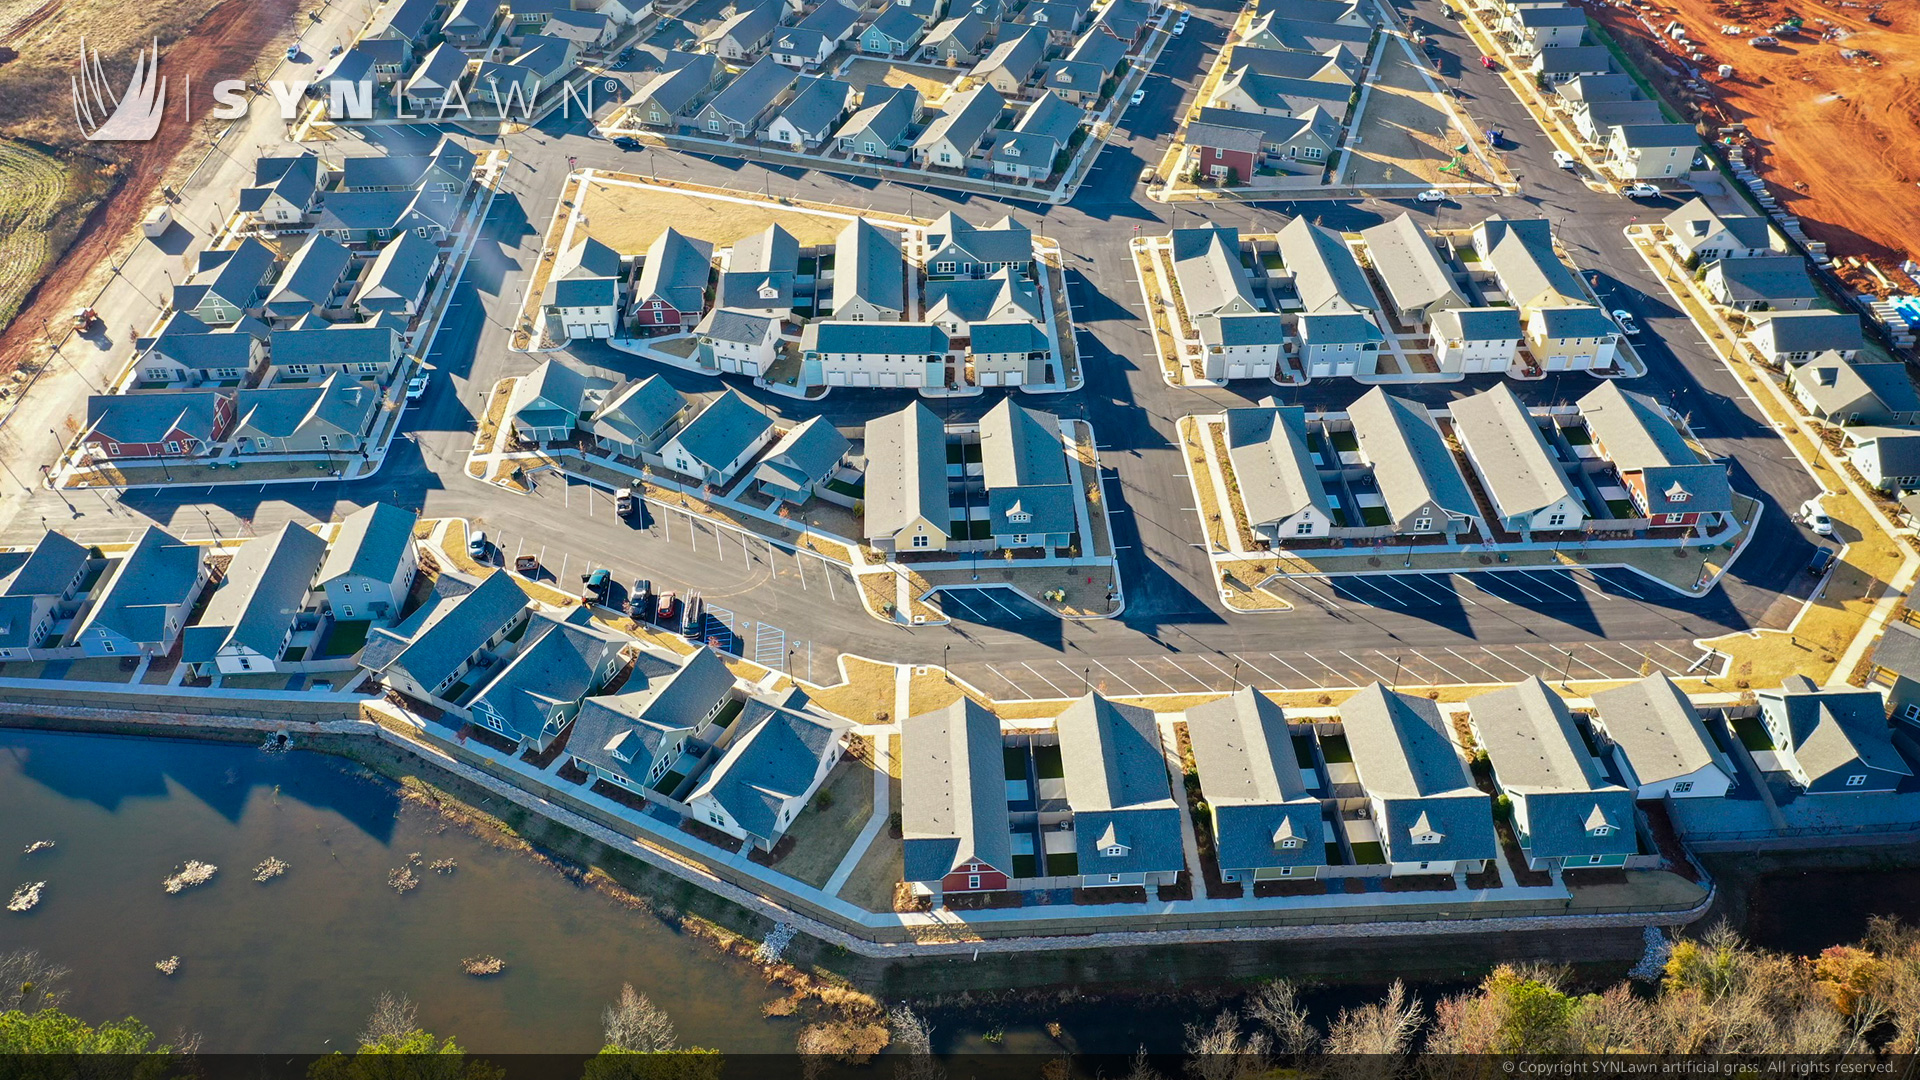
(706,832)
(1117,894)
(980,901)
(1488,878)
(552,753)
(1181,889)
(1421,883)
(1303,887)
(628,799)
(781,850)
(1667,839)
(489,740)
(1595,876)
(572,773)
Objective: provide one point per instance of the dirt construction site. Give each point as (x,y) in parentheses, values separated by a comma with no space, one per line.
(1827,105)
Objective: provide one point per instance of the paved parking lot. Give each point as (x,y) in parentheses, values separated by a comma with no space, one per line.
(1533,588)
(990,606)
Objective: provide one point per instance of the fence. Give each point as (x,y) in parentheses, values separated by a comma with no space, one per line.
(288,707)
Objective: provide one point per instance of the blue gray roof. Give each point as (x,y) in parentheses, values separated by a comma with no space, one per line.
(554,394)
(1765,277)
(1572,808)
(678,84)
(439,73)
(965,119)
(740,327)
(624,733)
(1262,812)
(749,25)
(753,91)
(236,276)
(1574,321)
(886,113)
(399,273)
(438,638)
(310,276)
(1024,469)
(154,579)
(263,593)
(1019,52)
(337,343)
(638,410)
(804,456)
(1003,241)
(1326,275)
(1410,767)
(867,265)
(559,663)
(340,403)
(293,178)
(150,418)
(402,20)
(873,338)
(1829,730)
(771,760)
(1117,785)
(831,18)
(448,162)
(899,23)
(676,271)
(1811,331)
(953,795)
(371,543)
(817,105)
(723,429)
(191,343)
(1478,324)
(54,564)
(1272,465)
(1658,729)
(993,338)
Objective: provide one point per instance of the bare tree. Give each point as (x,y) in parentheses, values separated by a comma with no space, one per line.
(1277,1009)
(394,1016)
(1383,1029)
(913,1036)
(1141,1068)
(1219,1051)
(638,1025)
(28,981)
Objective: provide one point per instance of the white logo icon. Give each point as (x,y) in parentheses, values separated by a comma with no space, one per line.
(131,117)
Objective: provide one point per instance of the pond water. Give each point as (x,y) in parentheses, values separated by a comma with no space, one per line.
(293,965)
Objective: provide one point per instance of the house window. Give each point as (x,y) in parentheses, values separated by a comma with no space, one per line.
(1602,830)
(173,446)
(1290,843)
(1681,787)
(106,644)
(922,541)
(1422,524)
(1113,879)
(871,148)
(973,881)
(1911,712)
(1218,153)
(1594,860)
(1556,520)
(1675,519)
(945,267)
(246,664)
(1857,780)
(716,817)
(1303,528)
(1020,539)
(713,125)
(113,448)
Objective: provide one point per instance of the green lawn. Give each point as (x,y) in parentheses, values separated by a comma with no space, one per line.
(1334,858)
(728,712)
(1621,508)
(669,782)
(1014,759)
(1023,866)
(1046,761)
(1375,515)
(346,638)
(1753,734)
(1346,442)
(1369,853)
(1062,864)
(1335,749)
(852,491)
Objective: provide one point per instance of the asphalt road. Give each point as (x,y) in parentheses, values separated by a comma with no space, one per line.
(1175,635)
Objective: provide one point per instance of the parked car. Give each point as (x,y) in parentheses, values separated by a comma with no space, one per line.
(1148,176)
(1625,319)
(1564,160)
(1640,191)
(1821,562)
(1431,195)
(640,596)
(626,142)
(594,585)
(477,543)
(417,387)
(528,565)
(1139,96)
(667,608)
(1816,517)
(1487,62)
(1179,27)
(624,503)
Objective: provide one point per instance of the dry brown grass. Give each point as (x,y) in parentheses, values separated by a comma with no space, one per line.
(932,86)
(865,696)
(628,218)
(1201,478)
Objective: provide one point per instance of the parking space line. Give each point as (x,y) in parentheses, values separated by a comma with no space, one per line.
(1615,584)
(996,602)
(1363,667)
(1584,664)
(1445,584)
(1017,688)
(1337,673)
(1392,600)
(1230,675)
(1491,655)
(1404,663)
(1130,687)
(1046,680)
(1548,578)
(1473,665)
(1689,659)
(1150,674)
(1311,681)
(1175,665)
(1504,579)
(800,565)
(1243,658)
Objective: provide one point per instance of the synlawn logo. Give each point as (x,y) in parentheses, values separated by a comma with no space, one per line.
(104,116)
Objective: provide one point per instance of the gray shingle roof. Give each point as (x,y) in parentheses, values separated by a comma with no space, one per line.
(1574,321)
(739,327)
(1695,220)
(1207,267)
(1520,473)
(1279,92)
(1688,489)
(637,410)
(817,106)
(748,25)
(1657,728)
(804,456)
(149,418)
(1403,256)
(439,73)
(1338,328)
(293,178)
(1277,130)
(906,470)
(1019,52)
(191,343)
(676,270)
(1478,324)
(1766,277)
(1004,295)
(559,663)
(771,760)
(1811,331)
(964,120)
(1250,775)
(885,112)
(991,338)
(1409,765)
(1656,136)
(953,795)
(867,265)
(676,86)
(1898,649)
(753,91)
(333,343)
(899,23)
(402,20)
(1293,63)
(1410,459)
(1024,468)
(624,733)
(1325,273)
(555,393)
(1210,136)
(967,30)
(371,542)
(1560,15)
(310,276)
(1633,429)
(54,564)
(157,573)
(1521,254)
(1838,385)
(831,18)
(341,403)
(1897,450)
(1610,87)
(1831,729)
(1272,465)
(1573,59)
(1116,781)
(1002,241)
(726,426)
(440,637)
(264,591)
(400,271)
(875,338)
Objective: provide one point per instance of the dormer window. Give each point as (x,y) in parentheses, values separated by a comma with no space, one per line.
(1423,831)
(1676,493)
(1019,517)
(1597,823)
(1114,849)
(1109,843)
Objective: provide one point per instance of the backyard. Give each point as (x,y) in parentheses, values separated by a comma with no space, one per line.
(628,216)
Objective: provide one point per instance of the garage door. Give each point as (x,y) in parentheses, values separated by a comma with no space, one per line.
(602,330)
(576,330)
(1237,371)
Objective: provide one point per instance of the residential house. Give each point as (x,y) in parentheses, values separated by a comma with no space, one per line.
(637,415)
(41,593)
(719,441)
(1846,393)
(888,354)
(1326,276)
(1476,341)
(745,32)
(1031,493)
(1300,144)
(144,598)
(333,416)
(1545,26)
(1228,155)
(1698,233)
(1336,12)
(1127,827)
(738,342)
(446,647)
(672,92)
(800,48)
(1016,353)
(533,699)
(1596,121)
(1651,151)
(1832,741)
(1419,283)
(958,305)
(514,87)
(1100,49)
(371,563)
(1560,63)
(955,247)
(1669,481)
(814,114)
(396,282)
(284,190)
(957,40)
(356,350)
(586,31)
(1303,33)
(869,274)
(189,351)
(768,773)
(878,131)
(435,88)
(585,292)
(1768,283)
(1419,480)
(955,827)
(759,273)
(895,33)
(1657,743)
(1012,64)
(1416,790)
(446,168)
(1340,344)
(965,120)
(1564,331)
(1566,811)
(185,423)
(470,23)
(1076,82)
(801,462)
(740,110)
(1246,90)
(313,282)
(1516,466)
(1279,481)
(908,507)
(404,21)
(1887,458)
(370,218)
(251,615)
(1785,338)
(1573,338)
(1335,64)
(1060,20)
(1895,666)
(548,403)
(671,292)
(1040,140)
(227,285)
(1238,340)
(1266,824)
(632,739)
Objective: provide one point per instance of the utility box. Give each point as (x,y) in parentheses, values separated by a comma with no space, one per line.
(159,220)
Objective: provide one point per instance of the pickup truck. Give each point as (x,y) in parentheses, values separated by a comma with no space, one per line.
(624,503)
(593,586)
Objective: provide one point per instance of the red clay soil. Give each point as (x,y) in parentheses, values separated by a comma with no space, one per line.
(224,45)
(1837,138)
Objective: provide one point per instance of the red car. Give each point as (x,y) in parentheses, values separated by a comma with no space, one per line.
(1487,62)
(669,606)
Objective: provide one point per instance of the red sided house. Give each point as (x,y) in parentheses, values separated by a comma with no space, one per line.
(953,793)
(1218,152)
(182,423)
(671,294)
(1672,483)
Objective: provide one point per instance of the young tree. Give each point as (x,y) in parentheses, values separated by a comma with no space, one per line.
(1220,1051)
(1385,1029)
(1277,1009)
(637,1025)
(913,1037)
